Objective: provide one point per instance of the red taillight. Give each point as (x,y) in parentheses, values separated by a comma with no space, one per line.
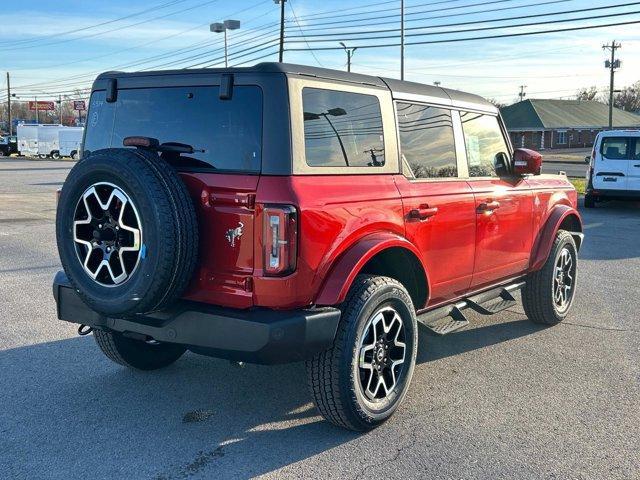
(280,239)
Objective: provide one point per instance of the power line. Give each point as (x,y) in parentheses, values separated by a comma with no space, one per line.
(156,7)
(446,15)
(486,37)
(480,29)
(503,19)
(300,28)
(97,34)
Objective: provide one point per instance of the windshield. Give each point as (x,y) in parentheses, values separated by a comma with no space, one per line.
(225,134)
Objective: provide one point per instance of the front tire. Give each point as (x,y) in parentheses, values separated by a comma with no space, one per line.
(360,382)
(548,293)
(137,353)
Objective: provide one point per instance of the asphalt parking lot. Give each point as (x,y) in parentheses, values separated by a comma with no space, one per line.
(502,399)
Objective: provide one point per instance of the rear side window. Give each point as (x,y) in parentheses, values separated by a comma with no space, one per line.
(636,153)
(225,134)
(426,141)
(342,129)
(615,148)
(484,141)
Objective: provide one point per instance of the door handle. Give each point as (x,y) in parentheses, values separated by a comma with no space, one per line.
(637,165)
(422,213)
(488,207)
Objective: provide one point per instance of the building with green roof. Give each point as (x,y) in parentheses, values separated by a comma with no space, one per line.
(541,123)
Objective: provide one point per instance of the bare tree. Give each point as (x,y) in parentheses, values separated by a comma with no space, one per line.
(629,98)
(587,94)
(497,103)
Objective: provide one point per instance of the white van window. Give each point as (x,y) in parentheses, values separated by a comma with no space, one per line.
(615,148)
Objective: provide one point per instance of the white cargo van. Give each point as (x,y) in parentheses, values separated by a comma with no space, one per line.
(70,139)
(38,139)
(614,167)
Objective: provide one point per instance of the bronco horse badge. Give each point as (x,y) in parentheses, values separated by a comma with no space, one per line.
(234,233)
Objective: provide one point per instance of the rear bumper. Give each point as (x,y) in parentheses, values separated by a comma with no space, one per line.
(619,194)
(256,336)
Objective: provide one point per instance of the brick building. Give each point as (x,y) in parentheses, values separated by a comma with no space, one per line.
(541,124)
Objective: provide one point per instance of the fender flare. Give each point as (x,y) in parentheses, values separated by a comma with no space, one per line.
(547,235)
(345,269)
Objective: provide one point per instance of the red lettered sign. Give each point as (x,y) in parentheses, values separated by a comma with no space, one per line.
(79,105)
(42,105)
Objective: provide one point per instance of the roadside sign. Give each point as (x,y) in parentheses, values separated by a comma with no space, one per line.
(42,105)
(79,105)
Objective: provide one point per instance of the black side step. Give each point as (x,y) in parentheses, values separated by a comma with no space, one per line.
(450,318)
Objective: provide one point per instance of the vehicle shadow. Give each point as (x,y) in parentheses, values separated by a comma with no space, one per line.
(434,347)
(611,231)
(68,411)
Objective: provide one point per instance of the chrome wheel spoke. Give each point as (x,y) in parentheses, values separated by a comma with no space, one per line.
(108,234)
(381,354)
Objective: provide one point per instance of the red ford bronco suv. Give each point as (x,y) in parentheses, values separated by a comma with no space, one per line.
(282,213)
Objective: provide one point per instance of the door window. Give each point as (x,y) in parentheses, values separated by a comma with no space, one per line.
(342,129)
(636,153)
(486,148)
(426,141)
(615,148)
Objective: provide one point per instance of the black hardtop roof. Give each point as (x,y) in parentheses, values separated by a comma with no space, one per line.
(397,87)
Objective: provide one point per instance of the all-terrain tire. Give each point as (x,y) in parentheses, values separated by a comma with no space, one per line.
(538,292)
(169,227)
(332,374)
(136,353)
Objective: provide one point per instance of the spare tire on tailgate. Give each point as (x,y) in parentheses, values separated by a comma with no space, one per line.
(127,231)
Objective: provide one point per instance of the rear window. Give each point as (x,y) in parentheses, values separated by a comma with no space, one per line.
(342,129)
(225,134)
(615,148)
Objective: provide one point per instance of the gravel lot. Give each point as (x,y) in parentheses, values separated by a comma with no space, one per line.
(502,399)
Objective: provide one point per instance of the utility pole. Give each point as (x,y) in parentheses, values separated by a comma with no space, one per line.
(401,39)
(281,51)
(522,93)
(9,102)
(611,65)
(350,52)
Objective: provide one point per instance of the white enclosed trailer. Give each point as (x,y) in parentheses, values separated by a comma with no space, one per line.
(70,139)
(48,144)
(38,139)
(27,139)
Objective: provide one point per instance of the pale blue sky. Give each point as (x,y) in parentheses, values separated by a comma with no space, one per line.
(44,55)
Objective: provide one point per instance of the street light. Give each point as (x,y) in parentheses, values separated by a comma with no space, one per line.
(222,28)
(350,52)
(334,112)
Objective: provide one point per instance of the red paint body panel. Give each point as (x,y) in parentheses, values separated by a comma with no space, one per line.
(446,239)
(504,232)
(222,203)
(336,287)
(344,220)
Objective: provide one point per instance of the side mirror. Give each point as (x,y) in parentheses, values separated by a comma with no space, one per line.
(587,159)
(526,162)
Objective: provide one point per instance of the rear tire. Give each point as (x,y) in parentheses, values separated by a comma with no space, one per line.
(545,296)
(345,381)
(589,201)
(136,353)
(56,155)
